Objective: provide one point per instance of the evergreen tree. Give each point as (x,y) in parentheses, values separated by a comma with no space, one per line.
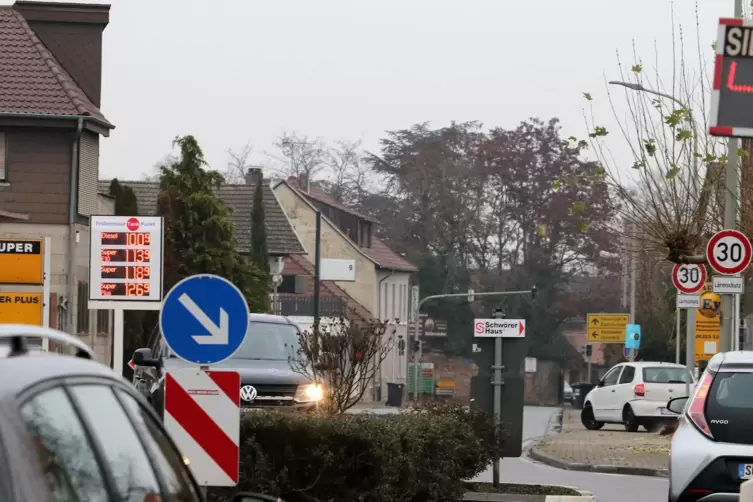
(137,325)
(199,234)
(259,253)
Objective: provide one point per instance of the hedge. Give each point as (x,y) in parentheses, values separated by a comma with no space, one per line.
(420,455)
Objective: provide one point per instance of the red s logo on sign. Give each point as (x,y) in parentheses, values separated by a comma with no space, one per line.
(478,328)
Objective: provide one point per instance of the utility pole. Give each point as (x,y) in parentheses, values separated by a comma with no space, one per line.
(317,263)
(498,314)
(728,330)
(633,276)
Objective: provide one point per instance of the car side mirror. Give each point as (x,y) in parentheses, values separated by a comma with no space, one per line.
(144,357)
(677,404)
(600,384)
(255,497)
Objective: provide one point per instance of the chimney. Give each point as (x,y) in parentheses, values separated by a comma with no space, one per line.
(72,32)
(253,176)
(303,182)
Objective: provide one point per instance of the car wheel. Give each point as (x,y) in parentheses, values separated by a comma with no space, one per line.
(629,419)
(587,419)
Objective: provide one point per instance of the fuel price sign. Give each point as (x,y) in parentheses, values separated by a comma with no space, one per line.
(125,261)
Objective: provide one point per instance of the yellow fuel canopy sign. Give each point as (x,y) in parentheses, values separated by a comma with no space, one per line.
(21,308)
(21,261)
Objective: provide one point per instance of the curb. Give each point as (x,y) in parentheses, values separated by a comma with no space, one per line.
(545,458)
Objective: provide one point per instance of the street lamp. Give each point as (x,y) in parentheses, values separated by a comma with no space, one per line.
(640,88)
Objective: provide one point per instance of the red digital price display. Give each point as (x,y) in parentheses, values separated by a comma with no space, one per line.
(126,238)
(124,289)
(126,272)
(126,255)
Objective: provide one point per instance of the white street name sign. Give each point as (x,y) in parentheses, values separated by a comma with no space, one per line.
(727,285)
(688,301)
(499,328)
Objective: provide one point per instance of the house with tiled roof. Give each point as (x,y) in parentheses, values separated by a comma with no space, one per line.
(51,125)
(382,277)
(282,240)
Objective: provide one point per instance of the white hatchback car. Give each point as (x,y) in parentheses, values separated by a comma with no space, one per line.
(636,394)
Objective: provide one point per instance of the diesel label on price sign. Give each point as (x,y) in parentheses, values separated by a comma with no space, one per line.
(21,308)
(21,261)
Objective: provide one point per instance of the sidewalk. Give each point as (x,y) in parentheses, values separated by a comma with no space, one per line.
(610,449)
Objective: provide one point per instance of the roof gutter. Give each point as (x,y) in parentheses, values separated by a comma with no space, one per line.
(53,116)
(72,211)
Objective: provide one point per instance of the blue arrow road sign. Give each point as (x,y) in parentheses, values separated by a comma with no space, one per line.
(204,319)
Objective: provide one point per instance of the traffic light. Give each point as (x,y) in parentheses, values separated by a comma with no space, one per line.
(589,349)
(416,346)
(534,292)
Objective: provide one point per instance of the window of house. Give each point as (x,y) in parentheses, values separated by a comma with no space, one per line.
(287,285)
(384,308)
(394,298)
(364,234)
(3,156)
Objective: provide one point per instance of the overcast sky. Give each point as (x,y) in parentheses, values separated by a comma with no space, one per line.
(233,71)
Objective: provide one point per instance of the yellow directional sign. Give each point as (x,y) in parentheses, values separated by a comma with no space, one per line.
(607,328)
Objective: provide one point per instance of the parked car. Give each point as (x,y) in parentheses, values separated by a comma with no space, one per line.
(264,362)
(71,429)
(635,394)
(567,392)
(712,448)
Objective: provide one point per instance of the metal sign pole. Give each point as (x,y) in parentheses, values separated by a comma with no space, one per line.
(677,335)
(589,368)
(497,399)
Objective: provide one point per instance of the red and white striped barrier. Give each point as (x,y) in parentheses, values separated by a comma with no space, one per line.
(202,414)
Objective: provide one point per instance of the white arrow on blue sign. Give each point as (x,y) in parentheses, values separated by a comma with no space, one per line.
(204,319)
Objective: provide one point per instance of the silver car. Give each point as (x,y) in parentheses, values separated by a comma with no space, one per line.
(712,449)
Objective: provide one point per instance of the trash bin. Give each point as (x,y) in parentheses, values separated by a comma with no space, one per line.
(580,390)
(395,394)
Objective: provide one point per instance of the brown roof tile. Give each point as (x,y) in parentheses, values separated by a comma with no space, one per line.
(379,251)
(298,265)
(387,258)
(320,195)
(31,79)
(281,238)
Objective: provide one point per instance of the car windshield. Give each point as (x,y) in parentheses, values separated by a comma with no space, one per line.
(661,374)
(269,341)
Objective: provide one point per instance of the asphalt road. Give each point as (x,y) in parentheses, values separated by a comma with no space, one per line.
(605,487)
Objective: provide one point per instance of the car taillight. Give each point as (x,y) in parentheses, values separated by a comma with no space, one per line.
(639,390)
(698,403)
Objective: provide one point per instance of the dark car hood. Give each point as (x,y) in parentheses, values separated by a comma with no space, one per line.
(252,371)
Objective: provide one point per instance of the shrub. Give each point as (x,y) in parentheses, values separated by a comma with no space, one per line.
(420,455)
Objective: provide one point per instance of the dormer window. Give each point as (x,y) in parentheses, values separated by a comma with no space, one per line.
(364,234)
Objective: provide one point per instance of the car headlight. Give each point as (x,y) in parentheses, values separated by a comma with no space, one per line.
(310,393)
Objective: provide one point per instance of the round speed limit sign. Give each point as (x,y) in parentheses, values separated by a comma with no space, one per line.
(728,252)
(689,279)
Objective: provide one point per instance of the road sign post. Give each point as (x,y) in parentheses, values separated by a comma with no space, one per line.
(689,279)
(607,328)
(498,328)
(729,253)
(204,320)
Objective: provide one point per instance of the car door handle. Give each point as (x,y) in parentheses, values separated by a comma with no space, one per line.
(612,390)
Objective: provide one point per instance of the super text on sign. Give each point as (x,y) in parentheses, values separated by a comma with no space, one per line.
(732,89)
(607,328)
(21,308)
(21,261)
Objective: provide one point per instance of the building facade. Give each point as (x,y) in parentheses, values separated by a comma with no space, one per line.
(50,130)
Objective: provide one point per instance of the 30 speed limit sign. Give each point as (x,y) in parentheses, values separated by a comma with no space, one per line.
(689,279)
(728,252)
